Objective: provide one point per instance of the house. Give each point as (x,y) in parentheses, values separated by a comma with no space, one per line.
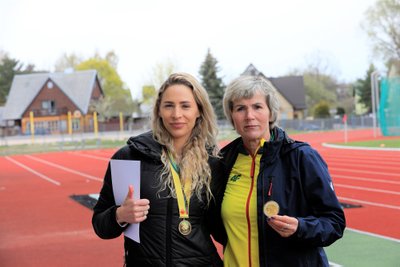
(2,122)
(291,93)
(51,101)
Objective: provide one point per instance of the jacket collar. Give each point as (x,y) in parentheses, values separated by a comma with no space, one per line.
(281,144)
(145,144)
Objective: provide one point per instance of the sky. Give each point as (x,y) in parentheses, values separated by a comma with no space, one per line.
(275,36)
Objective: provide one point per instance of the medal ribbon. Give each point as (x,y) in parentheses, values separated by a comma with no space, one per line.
(182,194)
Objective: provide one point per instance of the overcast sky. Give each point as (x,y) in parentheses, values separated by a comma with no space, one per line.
(276,36)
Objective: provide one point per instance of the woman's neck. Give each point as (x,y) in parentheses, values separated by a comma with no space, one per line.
(252,146)
(178,148)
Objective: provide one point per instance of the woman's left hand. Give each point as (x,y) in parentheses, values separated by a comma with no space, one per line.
(283,225)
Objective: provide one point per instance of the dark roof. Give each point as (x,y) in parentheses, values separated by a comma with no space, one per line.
(77,85)
(290,87)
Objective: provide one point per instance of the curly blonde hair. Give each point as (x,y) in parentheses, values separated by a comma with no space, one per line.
(201,144)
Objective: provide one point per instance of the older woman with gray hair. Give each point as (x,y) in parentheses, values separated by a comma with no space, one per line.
(279,207)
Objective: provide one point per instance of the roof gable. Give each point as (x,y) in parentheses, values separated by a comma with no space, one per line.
(78,86)
(291,87)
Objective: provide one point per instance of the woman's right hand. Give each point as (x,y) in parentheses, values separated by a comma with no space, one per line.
(132,211)
(284,225)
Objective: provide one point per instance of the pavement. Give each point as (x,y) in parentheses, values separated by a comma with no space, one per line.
(61,138)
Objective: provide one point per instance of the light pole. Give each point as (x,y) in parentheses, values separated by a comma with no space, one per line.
(374,98)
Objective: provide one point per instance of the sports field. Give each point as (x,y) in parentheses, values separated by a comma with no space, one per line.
(45,219)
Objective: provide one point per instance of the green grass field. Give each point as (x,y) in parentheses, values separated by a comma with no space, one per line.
(364,250)
(41,147)
(392,143)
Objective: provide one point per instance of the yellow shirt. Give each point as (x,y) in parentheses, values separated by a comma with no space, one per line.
(239,212)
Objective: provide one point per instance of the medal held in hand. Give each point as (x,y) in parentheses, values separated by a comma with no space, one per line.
(183,197)
(271,208)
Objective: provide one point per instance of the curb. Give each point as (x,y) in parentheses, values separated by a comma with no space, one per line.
(360,147)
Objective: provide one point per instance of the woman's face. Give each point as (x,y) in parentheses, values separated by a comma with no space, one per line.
(178,111)
(251,118)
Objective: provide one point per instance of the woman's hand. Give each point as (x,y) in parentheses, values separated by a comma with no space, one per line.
(132,211)
(283,225)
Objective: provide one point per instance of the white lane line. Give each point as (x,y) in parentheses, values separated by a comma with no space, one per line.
(364,179)
(65,168)
(370,203)
(357,159)
(361,148)
(367,189)
(368,172)
(44,177)
(90,156)
(374,235)
(386,168)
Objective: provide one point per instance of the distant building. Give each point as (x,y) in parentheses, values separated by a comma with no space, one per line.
(50,97)
(291,93)
(2,122)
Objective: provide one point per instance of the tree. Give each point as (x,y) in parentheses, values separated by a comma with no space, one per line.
(118,96)
(382,25)
(212,83)
(362,89)
(321,110)
(318,88)
(9,67)
(67,62)
(161,71)
(149,93)
(340,111)
(320,84)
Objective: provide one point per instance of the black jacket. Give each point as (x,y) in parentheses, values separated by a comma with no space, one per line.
(302,186)
(161,244)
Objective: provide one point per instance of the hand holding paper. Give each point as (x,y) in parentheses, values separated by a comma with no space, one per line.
(125,177)
(131,210)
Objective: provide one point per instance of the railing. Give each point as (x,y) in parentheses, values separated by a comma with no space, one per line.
(49,112)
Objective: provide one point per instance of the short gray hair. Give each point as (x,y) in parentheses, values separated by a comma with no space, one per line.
(246,87)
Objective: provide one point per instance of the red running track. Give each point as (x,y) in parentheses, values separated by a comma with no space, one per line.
(42,226)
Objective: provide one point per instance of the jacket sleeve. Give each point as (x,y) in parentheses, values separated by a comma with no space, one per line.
(326,221)
(103,220)
(214,219)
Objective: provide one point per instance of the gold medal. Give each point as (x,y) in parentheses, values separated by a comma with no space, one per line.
(185,227)
(271,208)
(183,198)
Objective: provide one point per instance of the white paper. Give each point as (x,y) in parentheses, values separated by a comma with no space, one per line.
(123,174)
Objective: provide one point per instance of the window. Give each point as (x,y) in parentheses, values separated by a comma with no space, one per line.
(49,106)
(50,85)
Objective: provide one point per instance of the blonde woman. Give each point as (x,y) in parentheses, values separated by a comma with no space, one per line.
(180,182)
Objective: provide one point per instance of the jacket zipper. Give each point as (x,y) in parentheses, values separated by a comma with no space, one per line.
(269,195)
(270,187)
(252,170)
(168,221)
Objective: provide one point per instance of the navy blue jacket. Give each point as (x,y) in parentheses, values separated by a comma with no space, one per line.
(302,186)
